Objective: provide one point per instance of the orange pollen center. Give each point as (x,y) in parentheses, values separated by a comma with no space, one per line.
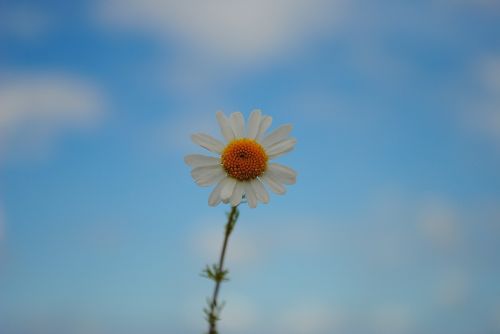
(244,159)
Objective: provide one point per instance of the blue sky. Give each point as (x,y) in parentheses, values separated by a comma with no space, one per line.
(392,227)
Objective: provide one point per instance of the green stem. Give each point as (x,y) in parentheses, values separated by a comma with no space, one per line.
(220,274)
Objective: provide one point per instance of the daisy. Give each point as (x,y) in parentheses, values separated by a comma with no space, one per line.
(242,165)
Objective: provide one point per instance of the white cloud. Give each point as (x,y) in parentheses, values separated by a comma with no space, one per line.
(35,109)
(386,242)
(452,288)
(318,317)
(243,249)
(438,222)
(239,315)
(257,244)
(231,30)
(2,224)
(482,109)
(2,233)
(213,44)
(310,317)
(393,319)
(496,318)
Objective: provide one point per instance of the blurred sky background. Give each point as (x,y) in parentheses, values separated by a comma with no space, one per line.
(392,228)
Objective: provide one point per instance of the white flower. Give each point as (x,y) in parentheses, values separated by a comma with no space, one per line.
(242,167)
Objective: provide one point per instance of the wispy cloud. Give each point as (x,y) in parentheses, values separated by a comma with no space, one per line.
(213,44)
(35,109)
(2,233)
(2,223)
(496,318)
(439,223)
(236,31)
(393,319)
(242,315)
(246,249)
(482,114)
(310,317)
(452,288)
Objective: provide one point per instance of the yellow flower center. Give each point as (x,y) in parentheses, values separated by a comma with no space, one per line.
(244,159)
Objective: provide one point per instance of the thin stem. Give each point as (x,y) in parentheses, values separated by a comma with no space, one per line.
(219,274)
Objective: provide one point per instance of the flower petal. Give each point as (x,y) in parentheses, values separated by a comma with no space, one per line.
(254,124)
(238,124)
(282,174)
(265,123)
(275,186)
(277,135)
(225,126)
(228,189)
(204,170)
(281,148)
(214,198)
(207,175)
(199,160)
(208,142)
(250,195)
(260,191)
(237,194)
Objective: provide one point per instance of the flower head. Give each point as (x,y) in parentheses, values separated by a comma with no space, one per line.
(242,165)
